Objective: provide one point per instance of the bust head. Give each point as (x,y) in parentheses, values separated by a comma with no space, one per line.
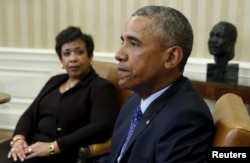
(222,41)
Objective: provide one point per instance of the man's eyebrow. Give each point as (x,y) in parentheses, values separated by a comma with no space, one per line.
(133,38)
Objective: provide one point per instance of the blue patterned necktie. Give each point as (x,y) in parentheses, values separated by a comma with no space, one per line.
(134,122)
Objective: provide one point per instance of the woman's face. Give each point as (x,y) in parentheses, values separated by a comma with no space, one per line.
(75,58)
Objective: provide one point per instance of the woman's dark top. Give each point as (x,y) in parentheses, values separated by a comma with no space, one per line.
(47,110)
(81,116)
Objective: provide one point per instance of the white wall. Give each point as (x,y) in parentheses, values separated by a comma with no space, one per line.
(35,23)
(23,72)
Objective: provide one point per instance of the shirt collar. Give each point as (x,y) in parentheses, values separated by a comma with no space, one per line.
(145,103)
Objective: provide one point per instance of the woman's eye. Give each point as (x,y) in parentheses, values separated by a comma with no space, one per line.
(79,52)
(66,54)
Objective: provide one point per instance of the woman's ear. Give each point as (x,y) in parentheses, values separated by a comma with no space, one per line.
(173,57)
(62,66)
(91,61)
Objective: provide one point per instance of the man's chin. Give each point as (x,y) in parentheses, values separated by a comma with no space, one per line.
(123,83)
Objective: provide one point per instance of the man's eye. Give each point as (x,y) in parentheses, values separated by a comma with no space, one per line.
(134,44)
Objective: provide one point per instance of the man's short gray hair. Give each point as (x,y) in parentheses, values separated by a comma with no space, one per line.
(171,26)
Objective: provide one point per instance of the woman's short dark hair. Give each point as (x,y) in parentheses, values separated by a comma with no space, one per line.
(70,34)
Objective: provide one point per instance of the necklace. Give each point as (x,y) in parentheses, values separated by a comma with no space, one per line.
(68,86)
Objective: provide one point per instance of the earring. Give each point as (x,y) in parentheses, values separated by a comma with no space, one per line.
(62,67)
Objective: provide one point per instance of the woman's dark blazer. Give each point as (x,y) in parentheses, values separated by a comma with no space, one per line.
(86,113)
(176,127)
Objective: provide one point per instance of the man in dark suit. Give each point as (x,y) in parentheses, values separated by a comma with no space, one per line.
(174,124)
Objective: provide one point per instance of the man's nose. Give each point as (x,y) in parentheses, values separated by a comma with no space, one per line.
(121,54)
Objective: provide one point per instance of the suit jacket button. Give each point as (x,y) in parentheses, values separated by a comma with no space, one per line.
(59,129)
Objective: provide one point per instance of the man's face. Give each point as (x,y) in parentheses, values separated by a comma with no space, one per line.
(219,43)
(141,58)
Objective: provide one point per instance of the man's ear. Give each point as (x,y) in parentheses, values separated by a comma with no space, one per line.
(174,56)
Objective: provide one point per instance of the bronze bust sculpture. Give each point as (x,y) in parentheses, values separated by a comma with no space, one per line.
(221,45)
(222,41)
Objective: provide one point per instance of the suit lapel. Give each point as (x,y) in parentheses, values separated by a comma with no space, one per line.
(124,119)
(152,111)
(143,123)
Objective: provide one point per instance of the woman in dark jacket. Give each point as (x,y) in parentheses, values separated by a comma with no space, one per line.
(72,110)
